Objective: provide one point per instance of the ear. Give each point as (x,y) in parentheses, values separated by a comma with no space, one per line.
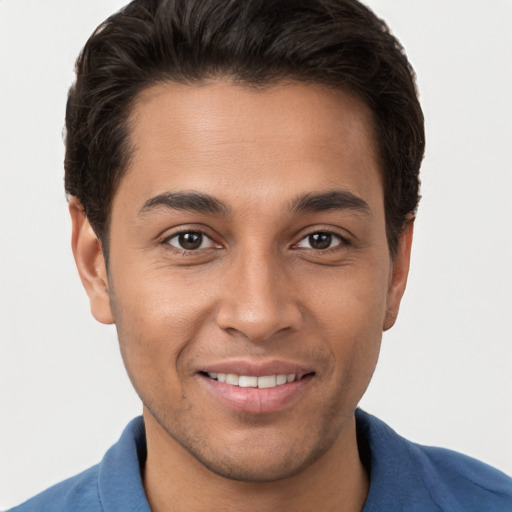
(90,263)
(399,273)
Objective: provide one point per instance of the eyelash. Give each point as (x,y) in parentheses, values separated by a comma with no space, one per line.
(183,250)
(342,241)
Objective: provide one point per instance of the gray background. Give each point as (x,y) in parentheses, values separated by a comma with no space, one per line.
(444,377)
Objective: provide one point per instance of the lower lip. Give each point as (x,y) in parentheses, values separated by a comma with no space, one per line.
(256,400)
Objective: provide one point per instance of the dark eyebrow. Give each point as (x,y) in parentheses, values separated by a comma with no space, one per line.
(190,201)
(332,200)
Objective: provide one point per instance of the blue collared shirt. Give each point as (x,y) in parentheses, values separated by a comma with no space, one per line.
(403,477)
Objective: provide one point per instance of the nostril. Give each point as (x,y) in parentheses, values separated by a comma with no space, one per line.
(258,324)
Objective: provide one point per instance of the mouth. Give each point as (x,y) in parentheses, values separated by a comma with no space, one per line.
(255,390)
(256,387)
(253,381)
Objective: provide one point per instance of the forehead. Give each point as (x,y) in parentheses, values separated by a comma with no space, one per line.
(225,139)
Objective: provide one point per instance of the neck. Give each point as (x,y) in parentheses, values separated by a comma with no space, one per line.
(175,481)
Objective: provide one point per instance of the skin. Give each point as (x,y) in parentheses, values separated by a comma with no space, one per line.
(256,291)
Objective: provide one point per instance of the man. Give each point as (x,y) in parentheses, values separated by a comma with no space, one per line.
(243,181)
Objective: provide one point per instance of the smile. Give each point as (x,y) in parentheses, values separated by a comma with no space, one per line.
(251,381)
(257,390)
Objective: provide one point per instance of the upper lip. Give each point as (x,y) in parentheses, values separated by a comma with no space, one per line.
(257,369)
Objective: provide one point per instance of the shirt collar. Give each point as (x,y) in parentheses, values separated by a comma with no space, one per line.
(395,483)
(120,476)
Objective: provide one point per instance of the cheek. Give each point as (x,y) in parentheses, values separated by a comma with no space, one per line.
(348,309)
(355,348)
(354,336)
(349,301)
(157,321)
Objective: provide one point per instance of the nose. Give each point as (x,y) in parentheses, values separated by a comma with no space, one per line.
(258,300)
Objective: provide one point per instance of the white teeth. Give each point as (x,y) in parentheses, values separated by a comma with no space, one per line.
(249,381)
(268,381)
(232,379)
(281,379)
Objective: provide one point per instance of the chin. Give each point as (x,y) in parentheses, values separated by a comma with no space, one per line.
(259,456)
(255,468)
(250,450)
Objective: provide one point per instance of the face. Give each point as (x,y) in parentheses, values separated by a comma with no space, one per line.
(249,274)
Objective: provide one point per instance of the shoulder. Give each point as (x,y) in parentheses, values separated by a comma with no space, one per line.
(408,476)
(114,484)
(457,478)
(76,493)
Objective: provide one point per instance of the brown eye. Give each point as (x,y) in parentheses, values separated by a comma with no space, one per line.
(191,241)
(320,241)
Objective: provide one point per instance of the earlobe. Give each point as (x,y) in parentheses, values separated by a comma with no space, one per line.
(90,263)
(399,274)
